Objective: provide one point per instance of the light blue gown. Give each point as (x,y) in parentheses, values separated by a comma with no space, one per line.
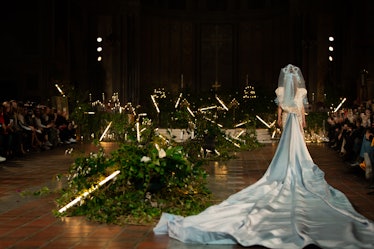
(291,206)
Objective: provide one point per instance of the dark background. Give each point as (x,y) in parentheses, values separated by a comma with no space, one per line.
(149,44)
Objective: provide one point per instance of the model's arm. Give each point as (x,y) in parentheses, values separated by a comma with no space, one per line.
(303,117)
(280,116)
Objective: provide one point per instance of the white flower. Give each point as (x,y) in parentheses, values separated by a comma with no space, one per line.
(145,159)
(161,153)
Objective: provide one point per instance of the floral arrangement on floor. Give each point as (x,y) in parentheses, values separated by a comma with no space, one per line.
(153,174)
(156,175)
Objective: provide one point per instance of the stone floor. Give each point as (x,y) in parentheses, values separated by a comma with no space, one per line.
(26,221)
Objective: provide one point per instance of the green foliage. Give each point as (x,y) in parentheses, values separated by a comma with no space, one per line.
(154,178)
(316,121)
(40,192)
(156,174)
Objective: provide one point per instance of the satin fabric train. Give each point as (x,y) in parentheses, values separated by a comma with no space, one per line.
(291,206)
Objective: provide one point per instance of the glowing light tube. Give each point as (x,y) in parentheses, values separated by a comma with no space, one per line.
(59,89)
(222,104)
(155,104)
(189,110)
(85,194)
(137,132)
(341,103)
(273,135)
(212,121)
(105,131)
(267,125)
(178,100)
(163,138)
(242,123)
(272,124)
(208,108)
(240,133)
(228,139)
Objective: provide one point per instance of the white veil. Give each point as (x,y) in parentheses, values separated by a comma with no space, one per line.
(290,78)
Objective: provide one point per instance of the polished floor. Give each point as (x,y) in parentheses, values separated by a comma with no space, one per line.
(26,219)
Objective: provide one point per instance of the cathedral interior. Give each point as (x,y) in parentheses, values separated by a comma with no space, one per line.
(132,47)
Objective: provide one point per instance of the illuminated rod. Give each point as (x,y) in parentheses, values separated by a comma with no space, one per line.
(240,133)
(237,145)
(137,132)
(213,122)
(90,113)
(208,108)
(237,138)
(163,138)
(263,121)
(272,124)
(157,146)
(155,104)
(216,151)
(242,123)
(105,131)
(178,100)
(59,89)
(189,110)
(341,103)
(222,104)
(273,135)
(85,194)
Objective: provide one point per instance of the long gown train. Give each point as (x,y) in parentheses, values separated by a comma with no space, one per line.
(291,206)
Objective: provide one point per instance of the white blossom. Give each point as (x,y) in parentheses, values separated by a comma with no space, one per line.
(161,153)
(145,159)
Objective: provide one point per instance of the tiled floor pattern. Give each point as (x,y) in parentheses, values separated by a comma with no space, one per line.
(28,223)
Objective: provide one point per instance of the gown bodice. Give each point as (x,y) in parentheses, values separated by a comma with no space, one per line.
(299,98)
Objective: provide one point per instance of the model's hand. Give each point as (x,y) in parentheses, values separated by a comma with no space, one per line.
(280,122)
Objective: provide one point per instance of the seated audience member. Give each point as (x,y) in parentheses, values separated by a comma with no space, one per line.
(25,120)
(10,135)
(41,129)
(366,147)
(65,127)
(17,132)
(48,120)
(366,118)
(353,141)
(333,131)
(2,133)
(347,134)
(341,128)
(368,161)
